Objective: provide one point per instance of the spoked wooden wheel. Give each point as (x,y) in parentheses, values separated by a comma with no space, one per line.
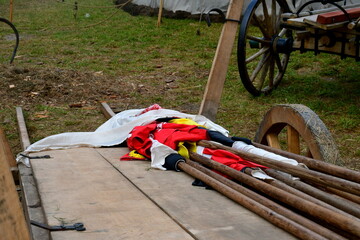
(264,46)
(299,130)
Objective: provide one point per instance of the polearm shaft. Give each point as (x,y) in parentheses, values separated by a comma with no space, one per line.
(268,203)
(340,221)
(311,175)
(340,203)
(293,190)
(271,216)
(321,166)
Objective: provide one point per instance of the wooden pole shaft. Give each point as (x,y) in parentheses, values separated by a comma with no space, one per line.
(304,173)
(340,221)
(321,166)
(340,203)
(11,10)
(160,12)
(216,80)
(268,203)
(273,217)
(24,136)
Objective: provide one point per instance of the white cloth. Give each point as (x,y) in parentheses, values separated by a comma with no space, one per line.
(112,132)
(258,151)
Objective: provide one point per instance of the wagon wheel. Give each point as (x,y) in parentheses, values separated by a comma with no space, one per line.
(297,128)
(264,46)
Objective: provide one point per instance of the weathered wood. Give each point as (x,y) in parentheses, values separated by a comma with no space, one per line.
(273,217)
(207,215)
(24,136)
(268,203)
(4,144)
(215,84)
(160,12)
(297,171)
(106,110)
(293,140)
(79,185)
(317,165)
(340,221)
(12,220)
(30,197)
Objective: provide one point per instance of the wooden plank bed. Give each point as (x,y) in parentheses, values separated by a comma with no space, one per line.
(129,200)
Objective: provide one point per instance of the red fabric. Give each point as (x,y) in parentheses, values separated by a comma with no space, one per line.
(169,134)
(230,159)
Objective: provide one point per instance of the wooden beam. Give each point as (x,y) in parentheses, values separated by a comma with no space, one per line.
(30,196)
(12,219)
(215,84)
(24,136)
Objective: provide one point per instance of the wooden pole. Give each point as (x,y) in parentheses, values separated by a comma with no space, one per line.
(216,80)
(12,218)
(268,203)
(340,203)
(320,166)
(343,222)
(160,12)
(273,217)
(303,173)
(24,136)
(11,10)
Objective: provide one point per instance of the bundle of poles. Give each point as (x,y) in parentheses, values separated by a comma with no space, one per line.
(321,201)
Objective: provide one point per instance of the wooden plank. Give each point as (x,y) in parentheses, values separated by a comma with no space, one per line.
(24,136)
(338,16)
(206,214)
(12,220)
(79,185)
(216,80)
(4,144)
(30,196)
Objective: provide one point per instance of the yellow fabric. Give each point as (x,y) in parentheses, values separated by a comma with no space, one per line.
(134,154)
(185,121)
(185,147)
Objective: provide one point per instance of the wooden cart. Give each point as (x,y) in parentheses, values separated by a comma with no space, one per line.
(270,30)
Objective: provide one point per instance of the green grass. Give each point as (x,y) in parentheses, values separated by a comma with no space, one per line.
(132,50)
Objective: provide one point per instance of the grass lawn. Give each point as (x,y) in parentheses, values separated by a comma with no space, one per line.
(70,58)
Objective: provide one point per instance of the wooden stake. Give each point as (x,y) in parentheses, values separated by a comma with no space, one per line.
(160,12)
(216,80)
(11,10)
(12,219)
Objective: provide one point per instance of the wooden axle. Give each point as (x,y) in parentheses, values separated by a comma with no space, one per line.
(318,177)
(343,222)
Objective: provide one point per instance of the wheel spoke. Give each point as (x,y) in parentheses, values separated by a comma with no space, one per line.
(260,40)
(259,67)
(261,80)
(259,53)
(271,72)
(279,64)
(266,15)
(273,140)
(261,26)
(273,17)
(293,140)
